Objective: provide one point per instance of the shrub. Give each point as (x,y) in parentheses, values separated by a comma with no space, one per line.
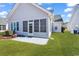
(7,33)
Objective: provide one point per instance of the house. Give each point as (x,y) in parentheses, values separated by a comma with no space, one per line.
(65,24)
(30,19)
(3,25)
(57,23)
(73,25)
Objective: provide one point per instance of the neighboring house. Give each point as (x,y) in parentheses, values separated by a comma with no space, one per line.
(57,24)
(73,25)
(65,24)
(30,20)
(3,25)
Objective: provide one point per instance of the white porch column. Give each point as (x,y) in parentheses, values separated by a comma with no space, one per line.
(39,25)
(7,26)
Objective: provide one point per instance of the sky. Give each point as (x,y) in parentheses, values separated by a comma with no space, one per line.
(5,8)
(63,9)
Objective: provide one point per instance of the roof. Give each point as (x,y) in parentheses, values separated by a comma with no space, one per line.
(58,18)
(36,5)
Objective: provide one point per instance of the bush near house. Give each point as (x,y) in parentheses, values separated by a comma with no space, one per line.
(7,33)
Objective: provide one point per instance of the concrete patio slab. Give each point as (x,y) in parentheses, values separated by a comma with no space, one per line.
(39,41)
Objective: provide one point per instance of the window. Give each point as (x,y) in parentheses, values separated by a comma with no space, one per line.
(55,28)
(4,27)
(0,27)
(43,25)
(30,28)
(36,25)
(12,26)
(30,20)
(25,26)
(17,26)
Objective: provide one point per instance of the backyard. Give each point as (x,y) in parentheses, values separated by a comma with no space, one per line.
(63,44)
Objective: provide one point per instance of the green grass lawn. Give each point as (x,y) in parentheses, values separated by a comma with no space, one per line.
(64,44)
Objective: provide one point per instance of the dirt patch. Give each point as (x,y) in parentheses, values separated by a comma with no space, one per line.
(6,37)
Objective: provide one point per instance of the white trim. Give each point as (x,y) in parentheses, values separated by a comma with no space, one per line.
(39,25)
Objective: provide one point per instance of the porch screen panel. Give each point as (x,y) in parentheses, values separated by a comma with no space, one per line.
(36,25)
(43,25)
(25,26)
